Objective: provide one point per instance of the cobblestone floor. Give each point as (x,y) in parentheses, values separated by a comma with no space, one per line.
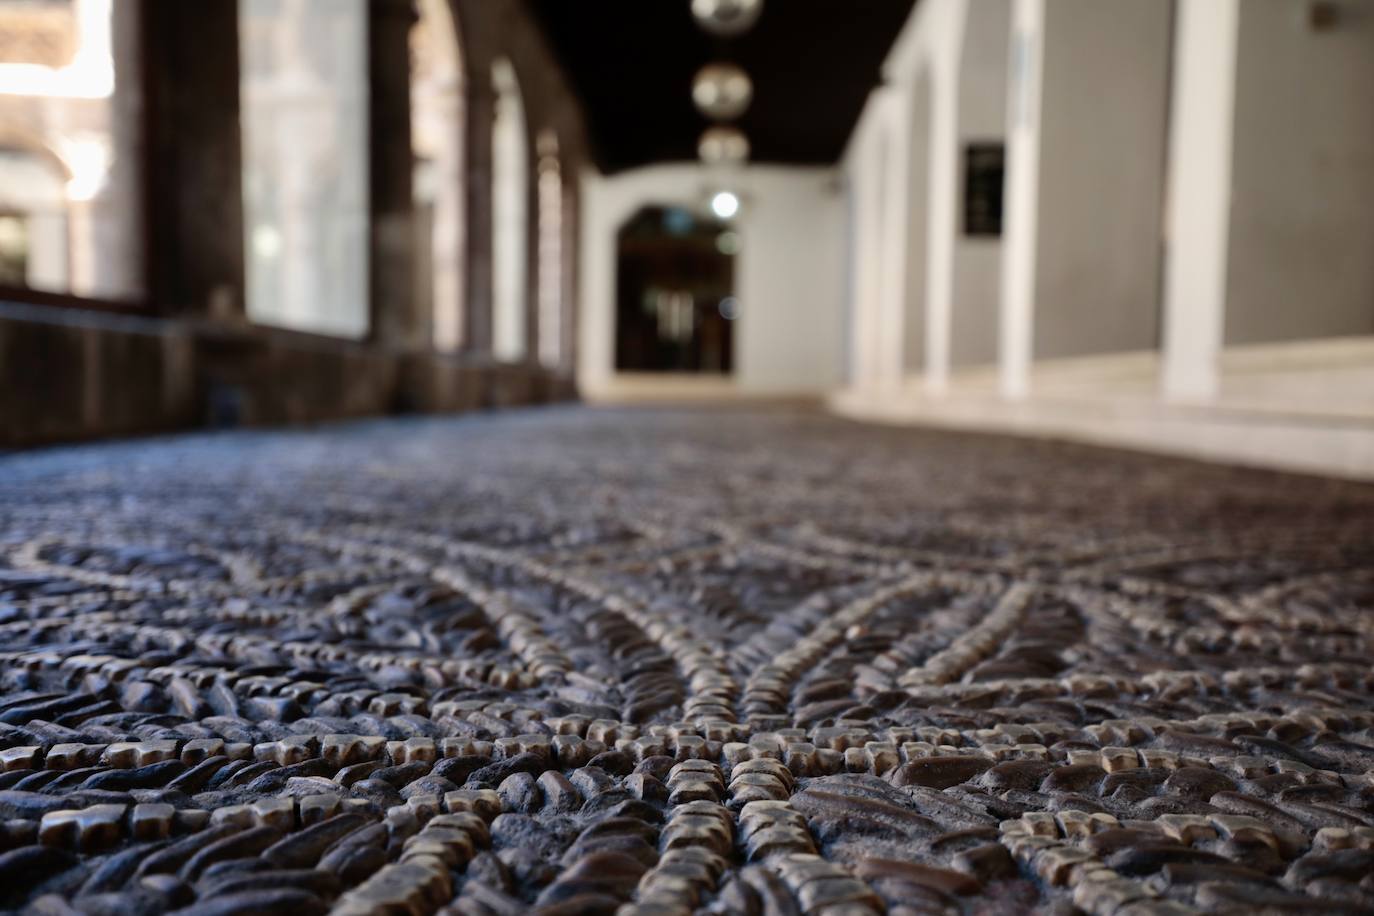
(642,661)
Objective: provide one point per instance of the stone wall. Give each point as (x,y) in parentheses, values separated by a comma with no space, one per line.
(68,374)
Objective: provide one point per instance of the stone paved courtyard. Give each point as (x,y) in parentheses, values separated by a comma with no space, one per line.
(652,661)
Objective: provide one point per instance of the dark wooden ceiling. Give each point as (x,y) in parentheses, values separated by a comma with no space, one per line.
(813,62)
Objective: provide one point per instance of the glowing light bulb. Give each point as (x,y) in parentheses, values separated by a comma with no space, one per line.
(725,204)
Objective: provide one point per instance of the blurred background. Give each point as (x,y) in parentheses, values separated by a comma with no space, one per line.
(1143,222)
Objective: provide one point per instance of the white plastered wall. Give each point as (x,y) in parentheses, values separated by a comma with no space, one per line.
(1301,257)
(1084,239)
(788,276)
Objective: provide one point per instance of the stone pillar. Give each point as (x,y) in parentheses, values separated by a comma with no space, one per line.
(1200,162)
(391,172)
(194,204)
(1085,183)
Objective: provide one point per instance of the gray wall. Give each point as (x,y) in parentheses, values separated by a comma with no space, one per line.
(1102,156)
(982,117)
(1301,259)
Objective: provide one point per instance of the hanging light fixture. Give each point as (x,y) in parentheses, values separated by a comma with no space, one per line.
(723,145)
(722,91)
(727,18)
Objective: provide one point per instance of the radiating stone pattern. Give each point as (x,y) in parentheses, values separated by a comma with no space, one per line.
(652,662)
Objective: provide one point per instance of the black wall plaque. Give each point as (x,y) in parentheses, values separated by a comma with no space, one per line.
(983,172)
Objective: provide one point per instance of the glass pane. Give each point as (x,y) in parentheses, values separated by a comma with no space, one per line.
(304,100)
(70,149)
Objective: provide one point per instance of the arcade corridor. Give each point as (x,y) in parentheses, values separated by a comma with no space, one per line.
(443,465)
(763,661)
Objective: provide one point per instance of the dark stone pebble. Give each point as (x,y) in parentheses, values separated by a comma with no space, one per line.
(458,769)
(226,772)
(304,848)
(235,846)
(321,884)
(17,804)
(147,777)
(23,869)
(492,775)
(1148,859)
(1344,864)
(198,777)
(657,766)
(939,772)
(403,774)
(1198,782)
(264,902)
(172,857)
(354,864)
(116,870)
(617,763)
(273,781)
(989,862)
(1016,774)
(376,790)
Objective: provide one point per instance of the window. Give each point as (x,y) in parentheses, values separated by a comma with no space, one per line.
(983,179)
(70,149)
(304,98)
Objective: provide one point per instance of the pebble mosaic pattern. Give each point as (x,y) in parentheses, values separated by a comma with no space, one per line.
(675,661)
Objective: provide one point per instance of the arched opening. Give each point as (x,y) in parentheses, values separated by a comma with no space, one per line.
(436,132)
(304,88)
(510,216)
(550,266)
(675,301)
(34,242)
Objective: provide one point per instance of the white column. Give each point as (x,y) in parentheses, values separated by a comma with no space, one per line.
(944,192)
(874,262)
(600,221)
(871,205)
(893,178)
(1021,197)
(1198,221)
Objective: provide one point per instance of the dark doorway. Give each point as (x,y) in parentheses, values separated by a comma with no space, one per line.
(675,303)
